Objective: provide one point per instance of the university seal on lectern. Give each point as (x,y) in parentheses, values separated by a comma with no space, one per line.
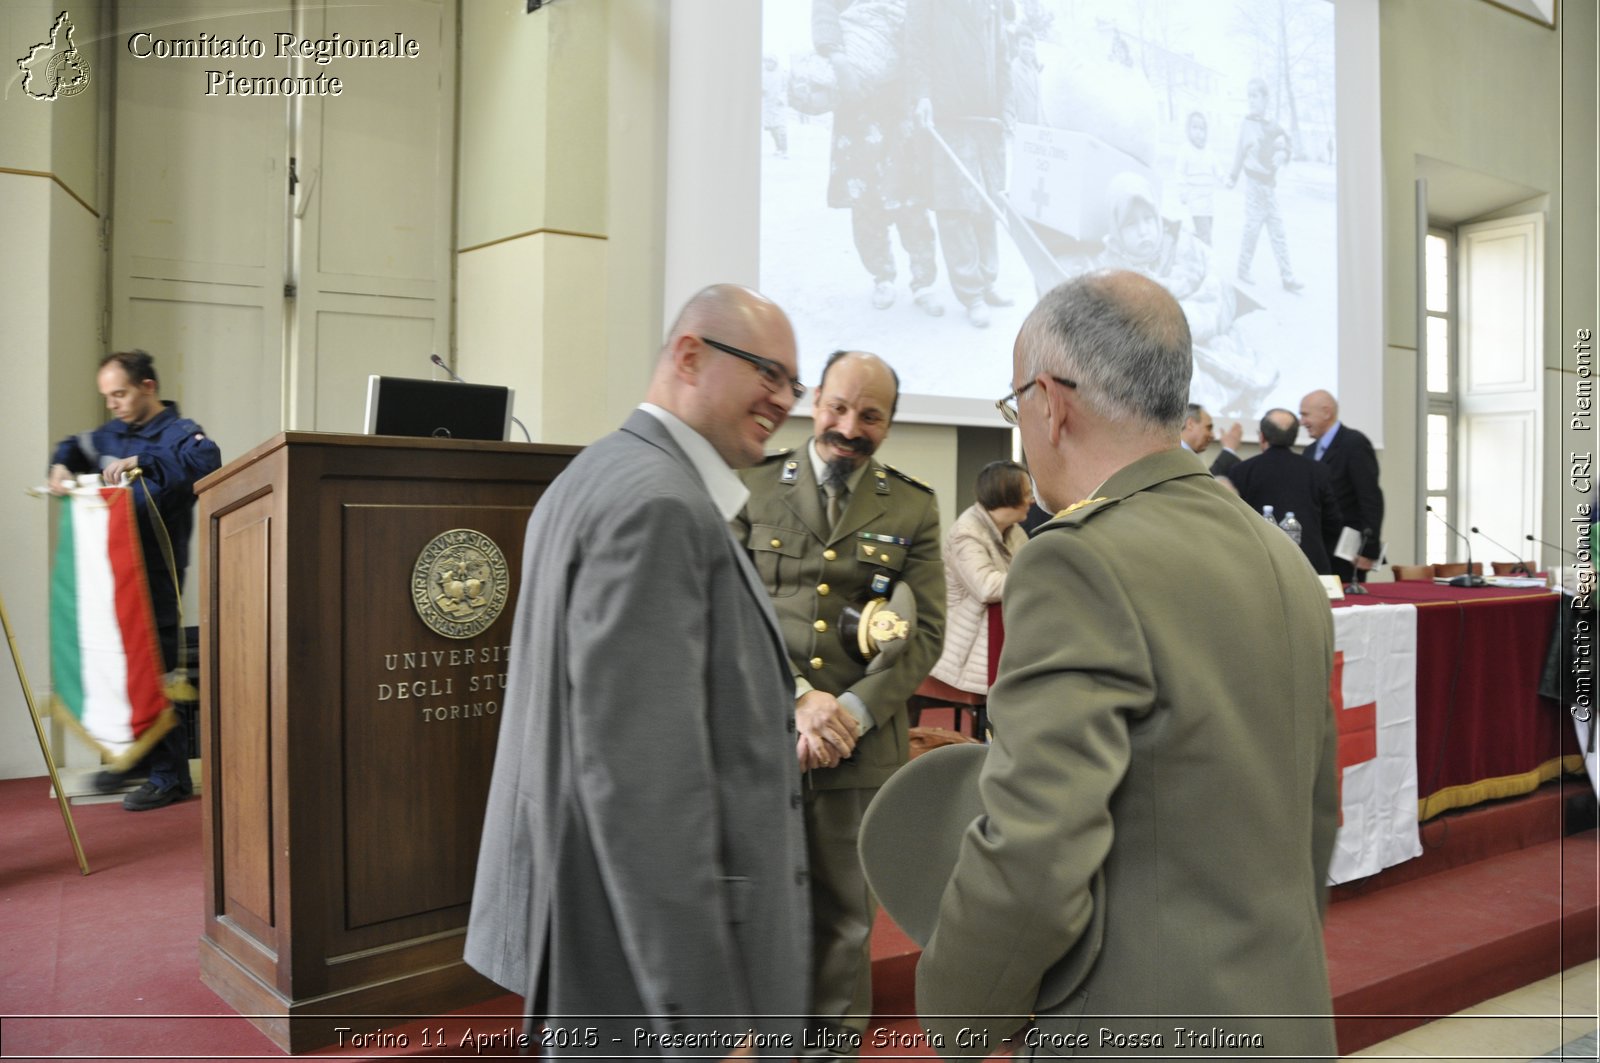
(460,583)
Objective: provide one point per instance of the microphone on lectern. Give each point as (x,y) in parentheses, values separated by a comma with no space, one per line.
(1468,580)
(436,360)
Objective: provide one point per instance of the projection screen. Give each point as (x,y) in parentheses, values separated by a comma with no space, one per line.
(913,158)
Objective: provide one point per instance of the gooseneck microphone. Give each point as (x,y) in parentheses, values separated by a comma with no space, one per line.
(1355,586)
(1469,579)
(1563,551)
(1519,569)
(451,373)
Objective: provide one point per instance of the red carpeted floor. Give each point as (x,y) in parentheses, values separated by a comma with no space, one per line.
(106,966)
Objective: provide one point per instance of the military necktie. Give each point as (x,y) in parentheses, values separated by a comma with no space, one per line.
(836,501)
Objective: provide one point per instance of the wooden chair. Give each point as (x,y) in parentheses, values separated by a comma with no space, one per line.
(922,739)
(937,694)
(1457,568)
(1510,568)
(1403,573)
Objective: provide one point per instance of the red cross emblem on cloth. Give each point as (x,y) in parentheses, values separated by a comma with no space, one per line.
(1358,729)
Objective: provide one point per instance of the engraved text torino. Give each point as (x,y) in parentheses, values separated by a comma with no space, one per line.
(487,676)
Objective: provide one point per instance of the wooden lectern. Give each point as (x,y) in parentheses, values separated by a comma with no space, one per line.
(356,605)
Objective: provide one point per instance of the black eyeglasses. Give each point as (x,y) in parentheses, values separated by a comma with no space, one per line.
(1008,405)
(773,375)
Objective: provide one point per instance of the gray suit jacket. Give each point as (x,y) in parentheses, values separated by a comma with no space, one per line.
(643,850)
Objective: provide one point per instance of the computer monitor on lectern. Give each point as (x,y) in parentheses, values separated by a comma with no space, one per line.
(400,406)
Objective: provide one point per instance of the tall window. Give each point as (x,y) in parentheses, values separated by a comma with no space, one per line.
(1439,459)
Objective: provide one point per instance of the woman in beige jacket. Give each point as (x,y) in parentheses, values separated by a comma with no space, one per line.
(977,554)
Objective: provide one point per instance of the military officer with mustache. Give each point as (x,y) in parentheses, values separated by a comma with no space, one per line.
(829,529)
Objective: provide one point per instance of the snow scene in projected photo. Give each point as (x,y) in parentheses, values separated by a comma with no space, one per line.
(1192,140)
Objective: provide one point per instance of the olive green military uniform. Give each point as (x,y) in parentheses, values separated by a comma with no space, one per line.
(1187,763)
(888,532)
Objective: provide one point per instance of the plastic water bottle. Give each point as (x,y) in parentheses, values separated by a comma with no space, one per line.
(1266,511)
(1291,527)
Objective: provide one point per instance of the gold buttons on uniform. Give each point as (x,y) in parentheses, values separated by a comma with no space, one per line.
(816,662)
(828,555)
(822,589)
(884,558)
(821,625)
(777,543)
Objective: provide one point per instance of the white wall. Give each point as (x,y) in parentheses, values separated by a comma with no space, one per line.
(50,293)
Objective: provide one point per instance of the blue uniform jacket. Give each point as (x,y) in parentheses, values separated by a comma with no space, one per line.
(173,453)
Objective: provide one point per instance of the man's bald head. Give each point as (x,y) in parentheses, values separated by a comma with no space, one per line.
(1318,412)
(726,312)
(735,400)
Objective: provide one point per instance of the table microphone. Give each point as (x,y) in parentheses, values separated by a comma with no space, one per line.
(1467,580)
(1519,569)
(1559,549)
(1355,586)
(436,360)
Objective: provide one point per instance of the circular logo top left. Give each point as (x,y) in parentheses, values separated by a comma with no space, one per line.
(460,583)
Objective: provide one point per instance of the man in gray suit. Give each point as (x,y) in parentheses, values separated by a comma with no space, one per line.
(642,877)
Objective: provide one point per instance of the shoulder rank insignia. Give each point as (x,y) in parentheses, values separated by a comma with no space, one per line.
(1082,503)
(791,471)
(907,477)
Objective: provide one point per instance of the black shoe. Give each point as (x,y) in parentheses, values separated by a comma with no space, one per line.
(153,795)
(110,782)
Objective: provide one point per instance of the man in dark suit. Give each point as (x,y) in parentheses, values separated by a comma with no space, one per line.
(1349,456)
(1124,746)
(1282,479)
(642,877)
(1198,434)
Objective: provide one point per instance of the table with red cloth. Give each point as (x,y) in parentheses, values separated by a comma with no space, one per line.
(1483,731)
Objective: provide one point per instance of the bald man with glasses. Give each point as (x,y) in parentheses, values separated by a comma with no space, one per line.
(642,875)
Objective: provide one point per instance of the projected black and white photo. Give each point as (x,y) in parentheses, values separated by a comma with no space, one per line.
(929,167)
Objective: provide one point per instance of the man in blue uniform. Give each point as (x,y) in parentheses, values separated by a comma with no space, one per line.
(171,453)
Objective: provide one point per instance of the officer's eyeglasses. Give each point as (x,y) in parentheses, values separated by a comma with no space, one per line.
(773,375)
(1008,405)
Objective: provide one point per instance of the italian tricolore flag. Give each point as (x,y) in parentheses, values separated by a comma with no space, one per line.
(104,655)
